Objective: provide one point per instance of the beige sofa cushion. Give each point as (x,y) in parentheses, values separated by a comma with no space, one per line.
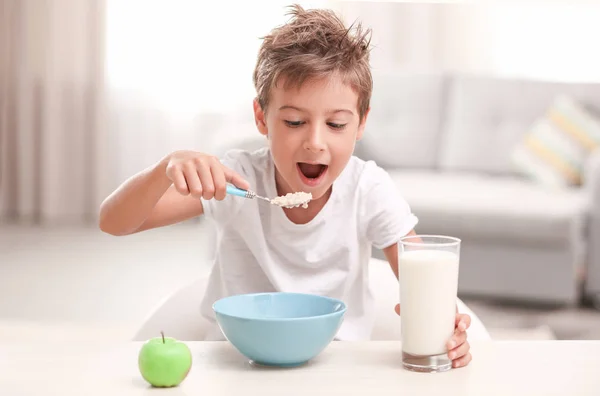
(487,207)
(485,118)
(555,150)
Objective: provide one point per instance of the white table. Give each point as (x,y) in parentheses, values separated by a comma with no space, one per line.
(344,368)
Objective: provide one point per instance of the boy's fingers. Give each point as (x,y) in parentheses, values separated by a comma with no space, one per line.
(206,179)
(459,338)
(235,179)
(193,182)
(397,309)
(179,183)
(219,182)
(459,351)
(463,361)
(463,321)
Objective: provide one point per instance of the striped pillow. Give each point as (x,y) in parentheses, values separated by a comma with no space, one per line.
(555,149)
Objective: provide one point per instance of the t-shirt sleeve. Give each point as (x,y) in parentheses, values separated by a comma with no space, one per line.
(223,211)
(385,214)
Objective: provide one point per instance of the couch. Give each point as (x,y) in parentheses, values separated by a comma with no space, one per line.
(446,140)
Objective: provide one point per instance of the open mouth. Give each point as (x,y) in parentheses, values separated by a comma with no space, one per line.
(311,173)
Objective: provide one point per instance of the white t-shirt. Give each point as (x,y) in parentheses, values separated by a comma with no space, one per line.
(260,250)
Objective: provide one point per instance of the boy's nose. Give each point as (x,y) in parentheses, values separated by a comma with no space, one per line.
(314,141)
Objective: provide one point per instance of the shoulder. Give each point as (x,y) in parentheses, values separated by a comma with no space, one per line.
(373,186)
(384,215)
(364,175)
(247,163)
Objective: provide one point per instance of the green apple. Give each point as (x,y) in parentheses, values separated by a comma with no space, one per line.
(164,362)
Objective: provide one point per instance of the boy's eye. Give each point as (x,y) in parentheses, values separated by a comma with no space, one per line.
(336,126)
(294,124)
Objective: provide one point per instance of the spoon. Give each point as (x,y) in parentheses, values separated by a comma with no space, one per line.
(291,200)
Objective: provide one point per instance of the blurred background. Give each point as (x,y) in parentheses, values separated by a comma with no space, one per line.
(484,113)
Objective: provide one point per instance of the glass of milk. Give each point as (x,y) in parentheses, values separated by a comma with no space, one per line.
(428,274)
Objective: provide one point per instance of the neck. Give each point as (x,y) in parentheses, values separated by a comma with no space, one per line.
(300,215)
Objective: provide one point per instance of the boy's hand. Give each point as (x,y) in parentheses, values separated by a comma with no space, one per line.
(458,346)
(201,175)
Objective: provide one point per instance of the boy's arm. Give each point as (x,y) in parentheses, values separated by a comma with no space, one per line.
(391,254)
(147,200)
(172,208)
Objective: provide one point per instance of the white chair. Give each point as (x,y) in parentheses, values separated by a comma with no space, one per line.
(179,314)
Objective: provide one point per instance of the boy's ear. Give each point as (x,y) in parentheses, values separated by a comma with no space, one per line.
(361,126)
(259,118)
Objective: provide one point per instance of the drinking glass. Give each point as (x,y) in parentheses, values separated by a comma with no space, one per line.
(428,274)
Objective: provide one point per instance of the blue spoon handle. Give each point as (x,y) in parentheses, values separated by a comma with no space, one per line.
(233,190)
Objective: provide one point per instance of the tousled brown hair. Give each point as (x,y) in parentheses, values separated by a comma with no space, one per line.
(314,44)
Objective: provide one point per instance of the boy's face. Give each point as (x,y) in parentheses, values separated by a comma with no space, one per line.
(312,131)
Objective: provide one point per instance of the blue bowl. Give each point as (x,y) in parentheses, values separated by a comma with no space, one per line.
(279,329)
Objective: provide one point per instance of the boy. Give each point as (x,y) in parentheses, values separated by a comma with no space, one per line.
(313,83)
